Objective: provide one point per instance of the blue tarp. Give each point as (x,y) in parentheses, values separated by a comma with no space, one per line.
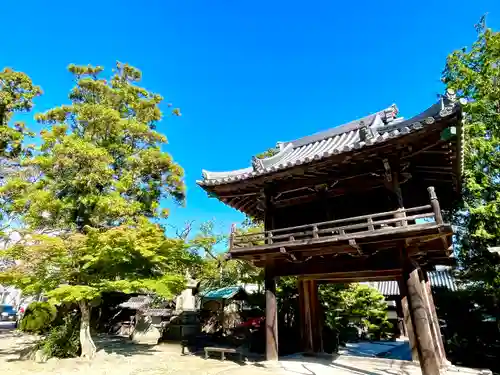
(222,293)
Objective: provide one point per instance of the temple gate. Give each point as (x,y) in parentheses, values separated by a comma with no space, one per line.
(358,202)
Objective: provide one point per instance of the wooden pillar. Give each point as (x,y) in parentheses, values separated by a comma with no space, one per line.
(433,319)
(310,316)
(419,317)
(403,292)
(271,315)
(268,206)
(305,317)
(317,318)
(435,205)
(391,182)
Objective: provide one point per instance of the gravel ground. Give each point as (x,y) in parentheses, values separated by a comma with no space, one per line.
(115,357)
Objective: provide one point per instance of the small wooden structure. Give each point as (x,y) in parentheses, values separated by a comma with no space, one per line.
(354,203)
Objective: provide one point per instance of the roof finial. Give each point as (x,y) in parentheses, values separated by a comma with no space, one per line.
(390,114)
(257,164)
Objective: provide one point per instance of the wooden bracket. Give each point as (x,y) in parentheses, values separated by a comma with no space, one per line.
(353,244)
(291,257)
(388,172)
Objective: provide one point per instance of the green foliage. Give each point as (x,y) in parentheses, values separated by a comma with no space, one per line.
(474,74)
(100,157)
(212,269)
(16,95)
(99,176)
(80,266)
(268,153)
(475,344)
(347,309)
(38,317)
(17,92)
(355,305)
(63,341)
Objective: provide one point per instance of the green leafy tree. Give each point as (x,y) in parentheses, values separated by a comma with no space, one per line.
(213,269)
(17,93)
(474,74)
(355,306)
(101,174)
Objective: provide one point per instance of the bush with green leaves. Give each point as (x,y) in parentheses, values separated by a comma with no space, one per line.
(38,317)
(63,341)
(355,308)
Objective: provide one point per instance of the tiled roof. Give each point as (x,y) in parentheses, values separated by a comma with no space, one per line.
(370,130)
(157,312)
(136,303)
(442,278)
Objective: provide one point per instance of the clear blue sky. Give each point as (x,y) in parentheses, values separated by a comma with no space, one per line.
(246,73)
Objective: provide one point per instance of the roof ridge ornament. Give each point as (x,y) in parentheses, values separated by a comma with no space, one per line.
(389,114)
(365,132)
(257,164)
(448,103)
(451,95)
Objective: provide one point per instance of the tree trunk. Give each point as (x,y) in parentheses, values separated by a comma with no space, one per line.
(86,342)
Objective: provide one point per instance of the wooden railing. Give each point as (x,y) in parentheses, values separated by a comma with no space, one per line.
(342,228)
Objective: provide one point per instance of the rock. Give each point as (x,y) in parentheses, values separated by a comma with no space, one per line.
(41,356)
(101,353)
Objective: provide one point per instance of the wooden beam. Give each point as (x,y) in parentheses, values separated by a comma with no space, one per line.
(354,245)
(346,272)
(424,149)
(379,263)
(338,192)
(434,167)
(437,152)
(355,277)
(268,209)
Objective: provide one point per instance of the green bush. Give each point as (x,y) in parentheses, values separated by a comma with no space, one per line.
(63,341)
(38,317)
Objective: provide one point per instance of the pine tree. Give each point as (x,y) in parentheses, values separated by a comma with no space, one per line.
(89,210)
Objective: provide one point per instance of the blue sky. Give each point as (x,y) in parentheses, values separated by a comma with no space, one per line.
(246,74)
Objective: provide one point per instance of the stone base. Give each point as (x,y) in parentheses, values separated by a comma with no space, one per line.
(182,326)
(145,331)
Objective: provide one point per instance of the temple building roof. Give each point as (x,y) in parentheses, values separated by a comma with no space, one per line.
(373,129)
(136,303)
(440,279)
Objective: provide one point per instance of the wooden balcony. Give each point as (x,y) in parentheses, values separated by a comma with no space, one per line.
(362,235)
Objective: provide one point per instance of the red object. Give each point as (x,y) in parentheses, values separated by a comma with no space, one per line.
(253,322)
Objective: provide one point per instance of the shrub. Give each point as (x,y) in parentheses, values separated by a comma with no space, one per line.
(38,317)
(63,341)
